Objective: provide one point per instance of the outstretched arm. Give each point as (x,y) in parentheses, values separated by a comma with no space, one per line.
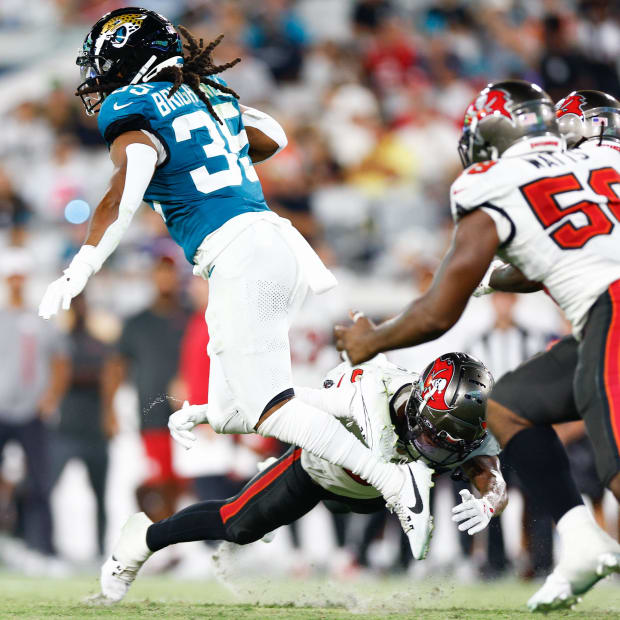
(134,158)
(428,317)
(474,514)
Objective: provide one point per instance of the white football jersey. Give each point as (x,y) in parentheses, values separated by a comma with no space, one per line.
(366,391)
(557,215)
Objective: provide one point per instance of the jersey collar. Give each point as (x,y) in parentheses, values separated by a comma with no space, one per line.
(594,143)
(547,142)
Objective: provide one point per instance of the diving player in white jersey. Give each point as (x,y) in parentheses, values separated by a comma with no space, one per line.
(437,417)
(554,215)
(180,141)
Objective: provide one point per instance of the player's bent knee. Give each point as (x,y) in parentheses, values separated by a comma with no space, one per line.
(503,422)
(243,536)
(279,400)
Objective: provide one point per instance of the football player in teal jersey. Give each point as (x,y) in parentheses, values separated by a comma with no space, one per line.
(179,139)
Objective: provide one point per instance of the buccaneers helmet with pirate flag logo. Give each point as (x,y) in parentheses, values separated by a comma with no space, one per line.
(503,114)
(126,46)
(586,114)
(445,415)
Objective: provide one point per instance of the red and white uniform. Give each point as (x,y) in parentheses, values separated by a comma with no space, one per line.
(360,396)
(557,215)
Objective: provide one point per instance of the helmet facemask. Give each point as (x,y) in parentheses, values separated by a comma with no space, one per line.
(443,419)
(424,440)
(94,73)
(502,115)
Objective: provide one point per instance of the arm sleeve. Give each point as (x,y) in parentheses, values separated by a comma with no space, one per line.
(333,401)
(141,162)
(267,125)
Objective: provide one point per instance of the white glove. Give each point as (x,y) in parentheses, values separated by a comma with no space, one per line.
(60,292)
(483,288)
(182,422)
(472,514)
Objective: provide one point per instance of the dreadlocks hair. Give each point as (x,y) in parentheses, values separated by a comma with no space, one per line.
(196,69)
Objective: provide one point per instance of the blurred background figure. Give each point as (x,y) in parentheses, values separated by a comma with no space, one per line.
(14,212)
(34,375)
(85,426)
(148,354)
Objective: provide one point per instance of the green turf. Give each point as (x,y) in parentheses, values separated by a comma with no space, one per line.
(387,599)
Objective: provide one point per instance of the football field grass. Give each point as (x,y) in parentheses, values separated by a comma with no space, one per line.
(161,597)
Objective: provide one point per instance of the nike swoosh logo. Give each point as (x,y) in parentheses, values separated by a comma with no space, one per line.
(417,509)
(120,107)
(210,271)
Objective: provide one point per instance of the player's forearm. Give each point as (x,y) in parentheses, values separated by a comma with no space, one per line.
(485,475)
(429,316)
(115,212)
(473,247)
(106,212)
(420,322)
(265,135)
(509,279)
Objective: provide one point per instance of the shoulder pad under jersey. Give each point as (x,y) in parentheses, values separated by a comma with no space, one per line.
(129,108)
(480,185)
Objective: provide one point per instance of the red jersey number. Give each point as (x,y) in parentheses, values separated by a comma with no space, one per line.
(541,197)
(481,167)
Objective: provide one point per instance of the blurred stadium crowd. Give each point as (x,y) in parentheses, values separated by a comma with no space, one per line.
(371,94)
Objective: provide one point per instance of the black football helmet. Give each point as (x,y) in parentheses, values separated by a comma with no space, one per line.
(445,416)
(586,114)
(501,115)
(126,46)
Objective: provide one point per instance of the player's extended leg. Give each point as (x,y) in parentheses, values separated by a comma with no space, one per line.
(523,406)
(278,495)
(587,553)
(256,285)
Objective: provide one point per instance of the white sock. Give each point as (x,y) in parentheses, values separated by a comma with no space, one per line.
(573,520)
(324,436)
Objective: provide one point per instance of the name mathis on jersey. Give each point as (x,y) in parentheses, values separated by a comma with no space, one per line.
(551,160)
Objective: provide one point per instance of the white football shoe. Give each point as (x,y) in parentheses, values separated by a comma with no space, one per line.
(412,506)
(129,554)
(588,554)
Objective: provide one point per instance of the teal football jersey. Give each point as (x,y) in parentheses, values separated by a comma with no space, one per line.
(207,177)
